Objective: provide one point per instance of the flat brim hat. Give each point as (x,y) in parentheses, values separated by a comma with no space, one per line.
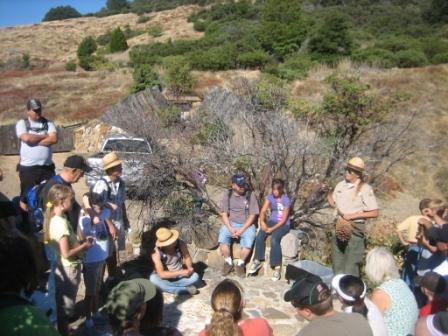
(125,299)
(336,285)
(357,164)
(166,237)
(77,162)
(432,281)
(111,160)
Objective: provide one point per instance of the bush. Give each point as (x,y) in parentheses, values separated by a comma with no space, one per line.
(116,5)
(177,75)
(440,58)
(118,41)
(25,64)
(252,59)
(211,132)
(434,46)
(87,47)
(398,43)
(215,59)
(155,31)
(375,57)
(144,77)
(411,58)
(200,25)
(61,13)
(86,61)
(295,67)
(169,115)
(143,19)
(70,66)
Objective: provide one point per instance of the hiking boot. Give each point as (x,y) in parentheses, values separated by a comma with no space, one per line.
(226,269)
(256,265)
(276,275)
(240,271)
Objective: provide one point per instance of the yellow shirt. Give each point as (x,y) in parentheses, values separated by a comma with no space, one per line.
(349,201)
(410,228)
(60,227)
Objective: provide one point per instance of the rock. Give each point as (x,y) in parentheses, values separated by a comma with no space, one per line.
(274,314)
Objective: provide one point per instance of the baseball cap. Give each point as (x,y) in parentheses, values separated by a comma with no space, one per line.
(126,298)
(239,180)
(78,162)
(308,291)
(34,104)
(431,281)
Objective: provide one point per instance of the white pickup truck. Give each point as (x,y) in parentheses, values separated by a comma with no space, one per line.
(135,154)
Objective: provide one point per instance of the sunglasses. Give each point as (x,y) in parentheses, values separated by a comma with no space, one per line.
(351,171)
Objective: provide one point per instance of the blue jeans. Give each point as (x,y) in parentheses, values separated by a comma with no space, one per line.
(246,239)
(275,257)
(174,286)
(410,265)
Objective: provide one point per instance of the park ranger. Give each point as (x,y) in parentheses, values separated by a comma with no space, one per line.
(355,202)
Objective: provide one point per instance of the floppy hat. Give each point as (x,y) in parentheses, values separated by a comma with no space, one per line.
(77,162)
(357,164)
(126,298)
(336,285)
(308,291)
(431,281)
(111,160)
(166,237)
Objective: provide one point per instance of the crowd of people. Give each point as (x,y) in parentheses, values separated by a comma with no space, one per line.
(76,242)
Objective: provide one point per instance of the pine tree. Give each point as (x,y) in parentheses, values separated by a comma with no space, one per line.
(118,41)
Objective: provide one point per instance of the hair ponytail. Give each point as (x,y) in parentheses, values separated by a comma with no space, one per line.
(46,228)
(360,307)
(353,288)
(56,195)
(222,324)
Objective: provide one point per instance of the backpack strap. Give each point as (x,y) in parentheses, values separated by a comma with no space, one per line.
(109,190)
(44,127)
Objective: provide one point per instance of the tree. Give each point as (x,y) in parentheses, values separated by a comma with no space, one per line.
(177,75)
(116,5)
(118,41)
(61,13)
(85,50)
(438,11)
(333,37)
(144,77)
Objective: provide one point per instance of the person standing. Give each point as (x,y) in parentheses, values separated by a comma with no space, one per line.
(36,135)
(355,202)
(239,209)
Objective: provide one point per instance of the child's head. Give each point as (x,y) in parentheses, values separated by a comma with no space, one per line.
(96,201)
(431,283)
(278,186)
(227,304)
(437,208)
(351,291)
(60,195)
(424,207)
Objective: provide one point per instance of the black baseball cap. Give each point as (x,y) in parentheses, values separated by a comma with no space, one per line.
(34,104)
(431,281)
(307,292)
(78,162)
(239,180)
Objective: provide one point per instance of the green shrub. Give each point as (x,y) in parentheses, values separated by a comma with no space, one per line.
(61,13)
(144,77)
(155,31)
(411,58)
(375,57)
(398,43)
(177,75)
(252,59)
(440,58)
(210,132)
(130,33)
(295,67)
(70,66)
(104,39)
(118,41)
(143,19)
(86,61)
(152,53)
(169,115)
(200,25)
(25,63)
(116,5)
(215,59)
(87,47)
(434,46)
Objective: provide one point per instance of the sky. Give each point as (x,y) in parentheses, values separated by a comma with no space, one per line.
(18,12)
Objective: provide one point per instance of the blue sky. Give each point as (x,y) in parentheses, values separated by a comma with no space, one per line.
(16,12)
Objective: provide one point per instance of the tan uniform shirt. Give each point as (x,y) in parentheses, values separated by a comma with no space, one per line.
(349,201)
(410,228)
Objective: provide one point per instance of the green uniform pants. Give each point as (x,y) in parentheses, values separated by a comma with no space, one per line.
(347,257)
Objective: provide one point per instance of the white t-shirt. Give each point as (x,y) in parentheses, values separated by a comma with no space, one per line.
(116,195)
(35,155)
(374,317)
(100,248)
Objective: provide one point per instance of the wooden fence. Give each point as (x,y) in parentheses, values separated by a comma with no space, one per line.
(9,145)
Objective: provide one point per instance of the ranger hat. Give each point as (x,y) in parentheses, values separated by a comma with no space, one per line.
(357,164)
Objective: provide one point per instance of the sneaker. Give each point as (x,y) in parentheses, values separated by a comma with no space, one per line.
(192,290)
(226,269)
(256,265)
(276,275)
(240,271)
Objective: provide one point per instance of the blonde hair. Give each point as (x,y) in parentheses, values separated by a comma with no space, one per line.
(226,303)
(381,266)
(56,195)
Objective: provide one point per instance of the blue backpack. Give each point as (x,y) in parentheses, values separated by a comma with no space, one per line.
(34,200)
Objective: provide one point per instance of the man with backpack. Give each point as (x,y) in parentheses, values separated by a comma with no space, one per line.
(239,209)
(36,135)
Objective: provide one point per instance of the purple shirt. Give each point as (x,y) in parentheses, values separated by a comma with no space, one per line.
(278,205)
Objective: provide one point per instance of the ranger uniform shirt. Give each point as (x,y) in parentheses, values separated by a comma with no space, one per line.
(349,201)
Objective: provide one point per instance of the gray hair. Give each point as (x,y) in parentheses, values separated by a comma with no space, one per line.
(381,266)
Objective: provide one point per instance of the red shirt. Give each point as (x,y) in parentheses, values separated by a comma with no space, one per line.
(257,326)
(433,307)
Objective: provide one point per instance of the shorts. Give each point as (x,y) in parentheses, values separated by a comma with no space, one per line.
(93,273)
(31,175)
(67,280)
(246,240)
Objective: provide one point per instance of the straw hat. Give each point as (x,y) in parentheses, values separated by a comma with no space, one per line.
(357,164)
(111,160)
(166,237)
